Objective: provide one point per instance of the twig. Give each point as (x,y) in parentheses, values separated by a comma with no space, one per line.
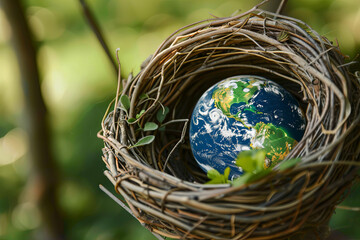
(281,7)
(118,201)
(355,209)
(89,16)
(183,134)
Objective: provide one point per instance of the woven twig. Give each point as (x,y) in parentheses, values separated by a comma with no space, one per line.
(162,184)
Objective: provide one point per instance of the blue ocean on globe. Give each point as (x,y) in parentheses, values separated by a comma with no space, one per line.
(242,113)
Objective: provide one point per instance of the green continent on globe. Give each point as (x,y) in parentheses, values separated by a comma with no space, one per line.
(275,141)
(225,97)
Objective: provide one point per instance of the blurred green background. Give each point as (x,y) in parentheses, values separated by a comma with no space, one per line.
(78,83)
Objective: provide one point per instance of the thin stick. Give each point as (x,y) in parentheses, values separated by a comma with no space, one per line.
(355,209)
(281,7)
(89,16)
(119,88)
(177,144)
(118,201)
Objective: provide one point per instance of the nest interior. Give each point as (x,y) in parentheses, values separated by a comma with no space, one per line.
(161,183)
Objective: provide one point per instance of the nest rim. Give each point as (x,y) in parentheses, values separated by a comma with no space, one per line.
(154,195)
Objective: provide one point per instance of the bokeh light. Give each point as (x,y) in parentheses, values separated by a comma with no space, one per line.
(26,216)
(13,146)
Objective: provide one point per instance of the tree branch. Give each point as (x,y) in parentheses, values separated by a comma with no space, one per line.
(44,169)
(91,20)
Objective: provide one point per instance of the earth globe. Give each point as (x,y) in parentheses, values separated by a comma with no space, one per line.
(242,113)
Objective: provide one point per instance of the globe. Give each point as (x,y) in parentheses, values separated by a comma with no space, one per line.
(243,113)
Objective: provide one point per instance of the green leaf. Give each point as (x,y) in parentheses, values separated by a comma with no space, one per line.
(125,101)
(161,114)
(143,96)
(150,126)
(243,179)
(218,178)
(289,163)
(227,173)
(251,160)
(140,114)
(144,141)
(131,120)
(259,175)
(250,177)
(213,173)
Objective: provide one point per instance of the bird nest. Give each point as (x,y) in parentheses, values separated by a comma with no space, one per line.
(145,132)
